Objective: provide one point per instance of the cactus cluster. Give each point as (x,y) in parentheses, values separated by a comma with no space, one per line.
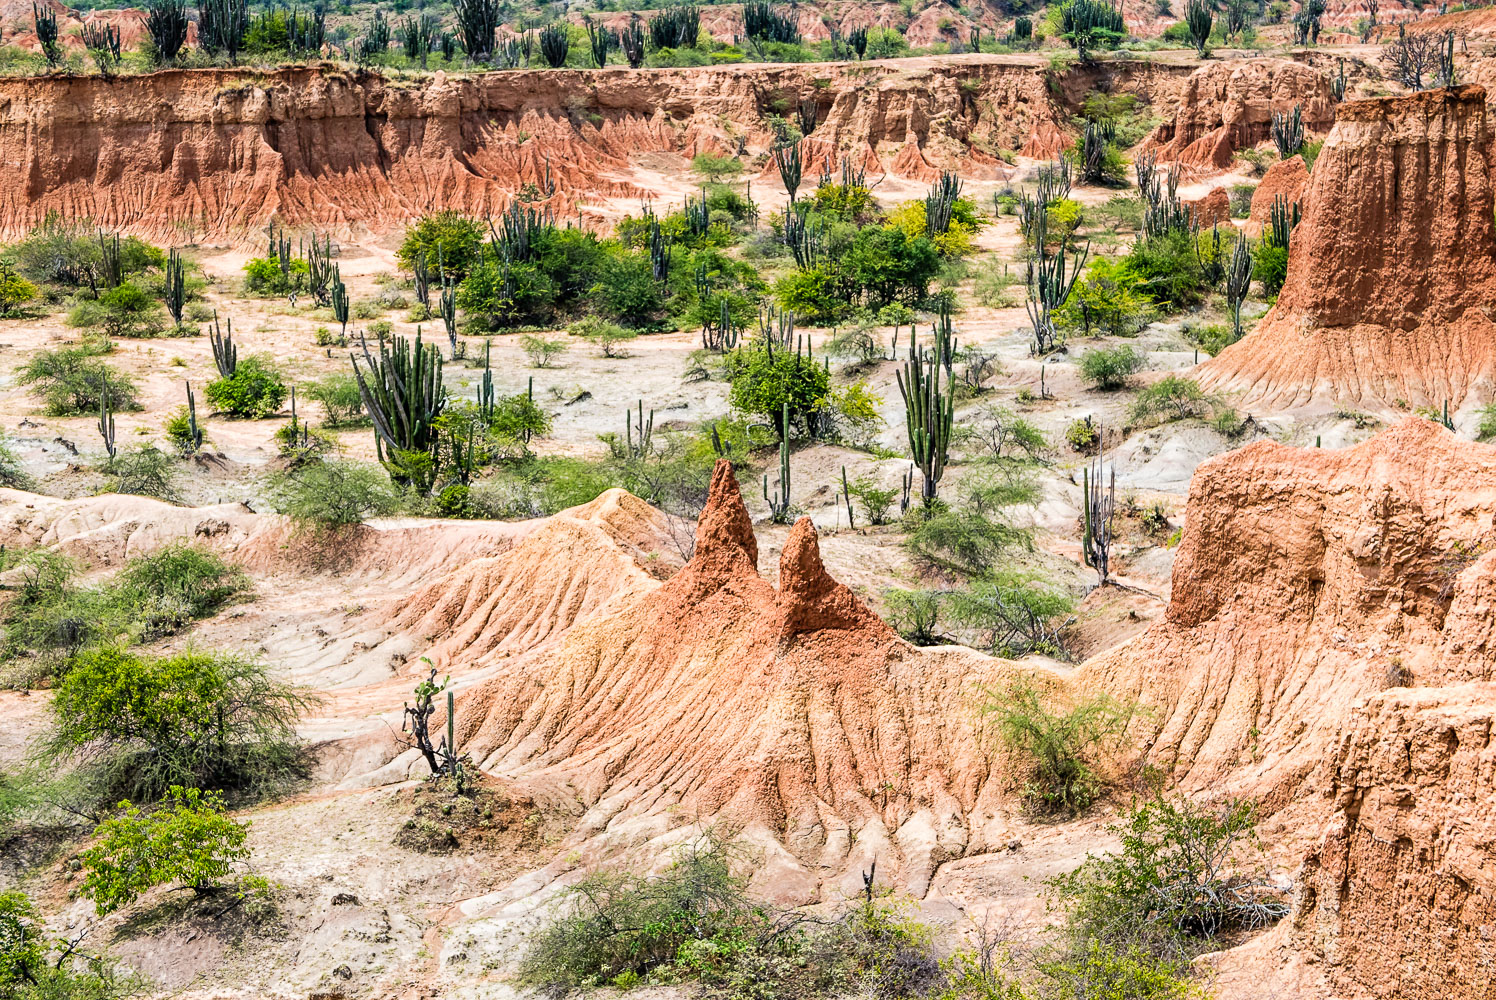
(225,354)
(403,394)
(788,158)
(222,25)
(1163,212)
(929,410)
(555,44)
(779,500)
(45,21)
(166,21)
(175,282)
(763,23)
(632,41)
(805,238)
(676,27)
(1238,281)
(477,26)
(1096,140)
(1198,18)
(601,40)
(1099,506)
(1288,131)
(940,204)
(1050,280)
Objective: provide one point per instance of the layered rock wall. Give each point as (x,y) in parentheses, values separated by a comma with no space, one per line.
(1391,271)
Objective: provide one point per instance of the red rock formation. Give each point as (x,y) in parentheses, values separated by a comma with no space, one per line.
(1399,897)
(1288,179)
(1308,584)
(1390,271)
(229,150)
(796,712)
(1229,106)
(1212,210)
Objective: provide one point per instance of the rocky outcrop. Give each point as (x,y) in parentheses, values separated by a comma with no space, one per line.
(1212,210)
(1308,579)
(795,712)
(1287,179)
(1228,106)
(1392,269)
(1328,650)
(1398,899)
(228,150)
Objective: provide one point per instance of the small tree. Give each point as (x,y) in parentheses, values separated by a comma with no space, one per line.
(189,839)
(1109,368)
(325,494)
(608,337)
(14,289)
(542,351)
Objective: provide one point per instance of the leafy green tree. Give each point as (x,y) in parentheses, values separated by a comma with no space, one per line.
(444,241)
(763,383)
(334,495)
(194,719)
(15,290)
(811,294)
(626,290)
(189,840)
(886,264)
(1109,299)
(1111,367)
(70,380)
(255,390)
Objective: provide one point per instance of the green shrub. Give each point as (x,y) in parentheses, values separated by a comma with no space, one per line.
(963,541)
(1169,269)
(265,276)
(876,501)
(1185,873)
(608,337)
(715,167)
(1053,746)
(514,421)
(1108,299)
(200,720)
(626,291)
(176,585)
(763,384)
(124,311)
(189,839)
(146,471)
(1241,200)
(1270,265)
(446,241)
(70,381)
(1100,972)
(1486,429)
(1013,614)
(1110,368)
(69,253)
(542,351)
(24,952)
(1002,434)
(342,406)
(916,615)
(15,290)
(325,494)
(1081,435)
(1172,397)
(255,390)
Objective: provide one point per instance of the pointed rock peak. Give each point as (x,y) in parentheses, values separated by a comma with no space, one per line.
(809,599)
(801,572)
(724,526)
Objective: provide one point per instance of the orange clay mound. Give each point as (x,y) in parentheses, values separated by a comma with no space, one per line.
(568,567)
(795,713)
(1287,179)
(1330,650)
(224,151)
(1391,270)
(1229,106)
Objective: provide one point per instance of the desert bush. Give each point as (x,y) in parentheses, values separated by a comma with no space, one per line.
(963,540)
(1185,873)
(1485,430)
(342,406)
(23,936)
(255,390)
(876,501)
(126,310)
(265,276)
(58,252)
(1172,397)
(1109,299)
(715,167)
(763,384)
(1109,368)
(1081,435)
(1001,434)
(141,724)
(15,291)
(1270,266)
(176,585)
(1169,269)
(444,241)
(1013,614)
(328,494)
(1097,971)
(146,471)
(1055,746)
(608,337)
(916,615)
(13,474)
(542,351)
(70,380)
(513,422)
(189,839)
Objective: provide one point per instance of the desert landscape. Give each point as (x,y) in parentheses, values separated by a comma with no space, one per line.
(748,501)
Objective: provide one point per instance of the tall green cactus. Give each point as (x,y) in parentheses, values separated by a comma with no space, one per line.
(166,20)
(1288,131)
(45,21)
(338,293)
(194,439)
(1238,281)
(779,501)
(403,394)
(106,418)
(1198,17)
(928,411)
(176,286)
(555,44)
(789,160)
(225,354)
